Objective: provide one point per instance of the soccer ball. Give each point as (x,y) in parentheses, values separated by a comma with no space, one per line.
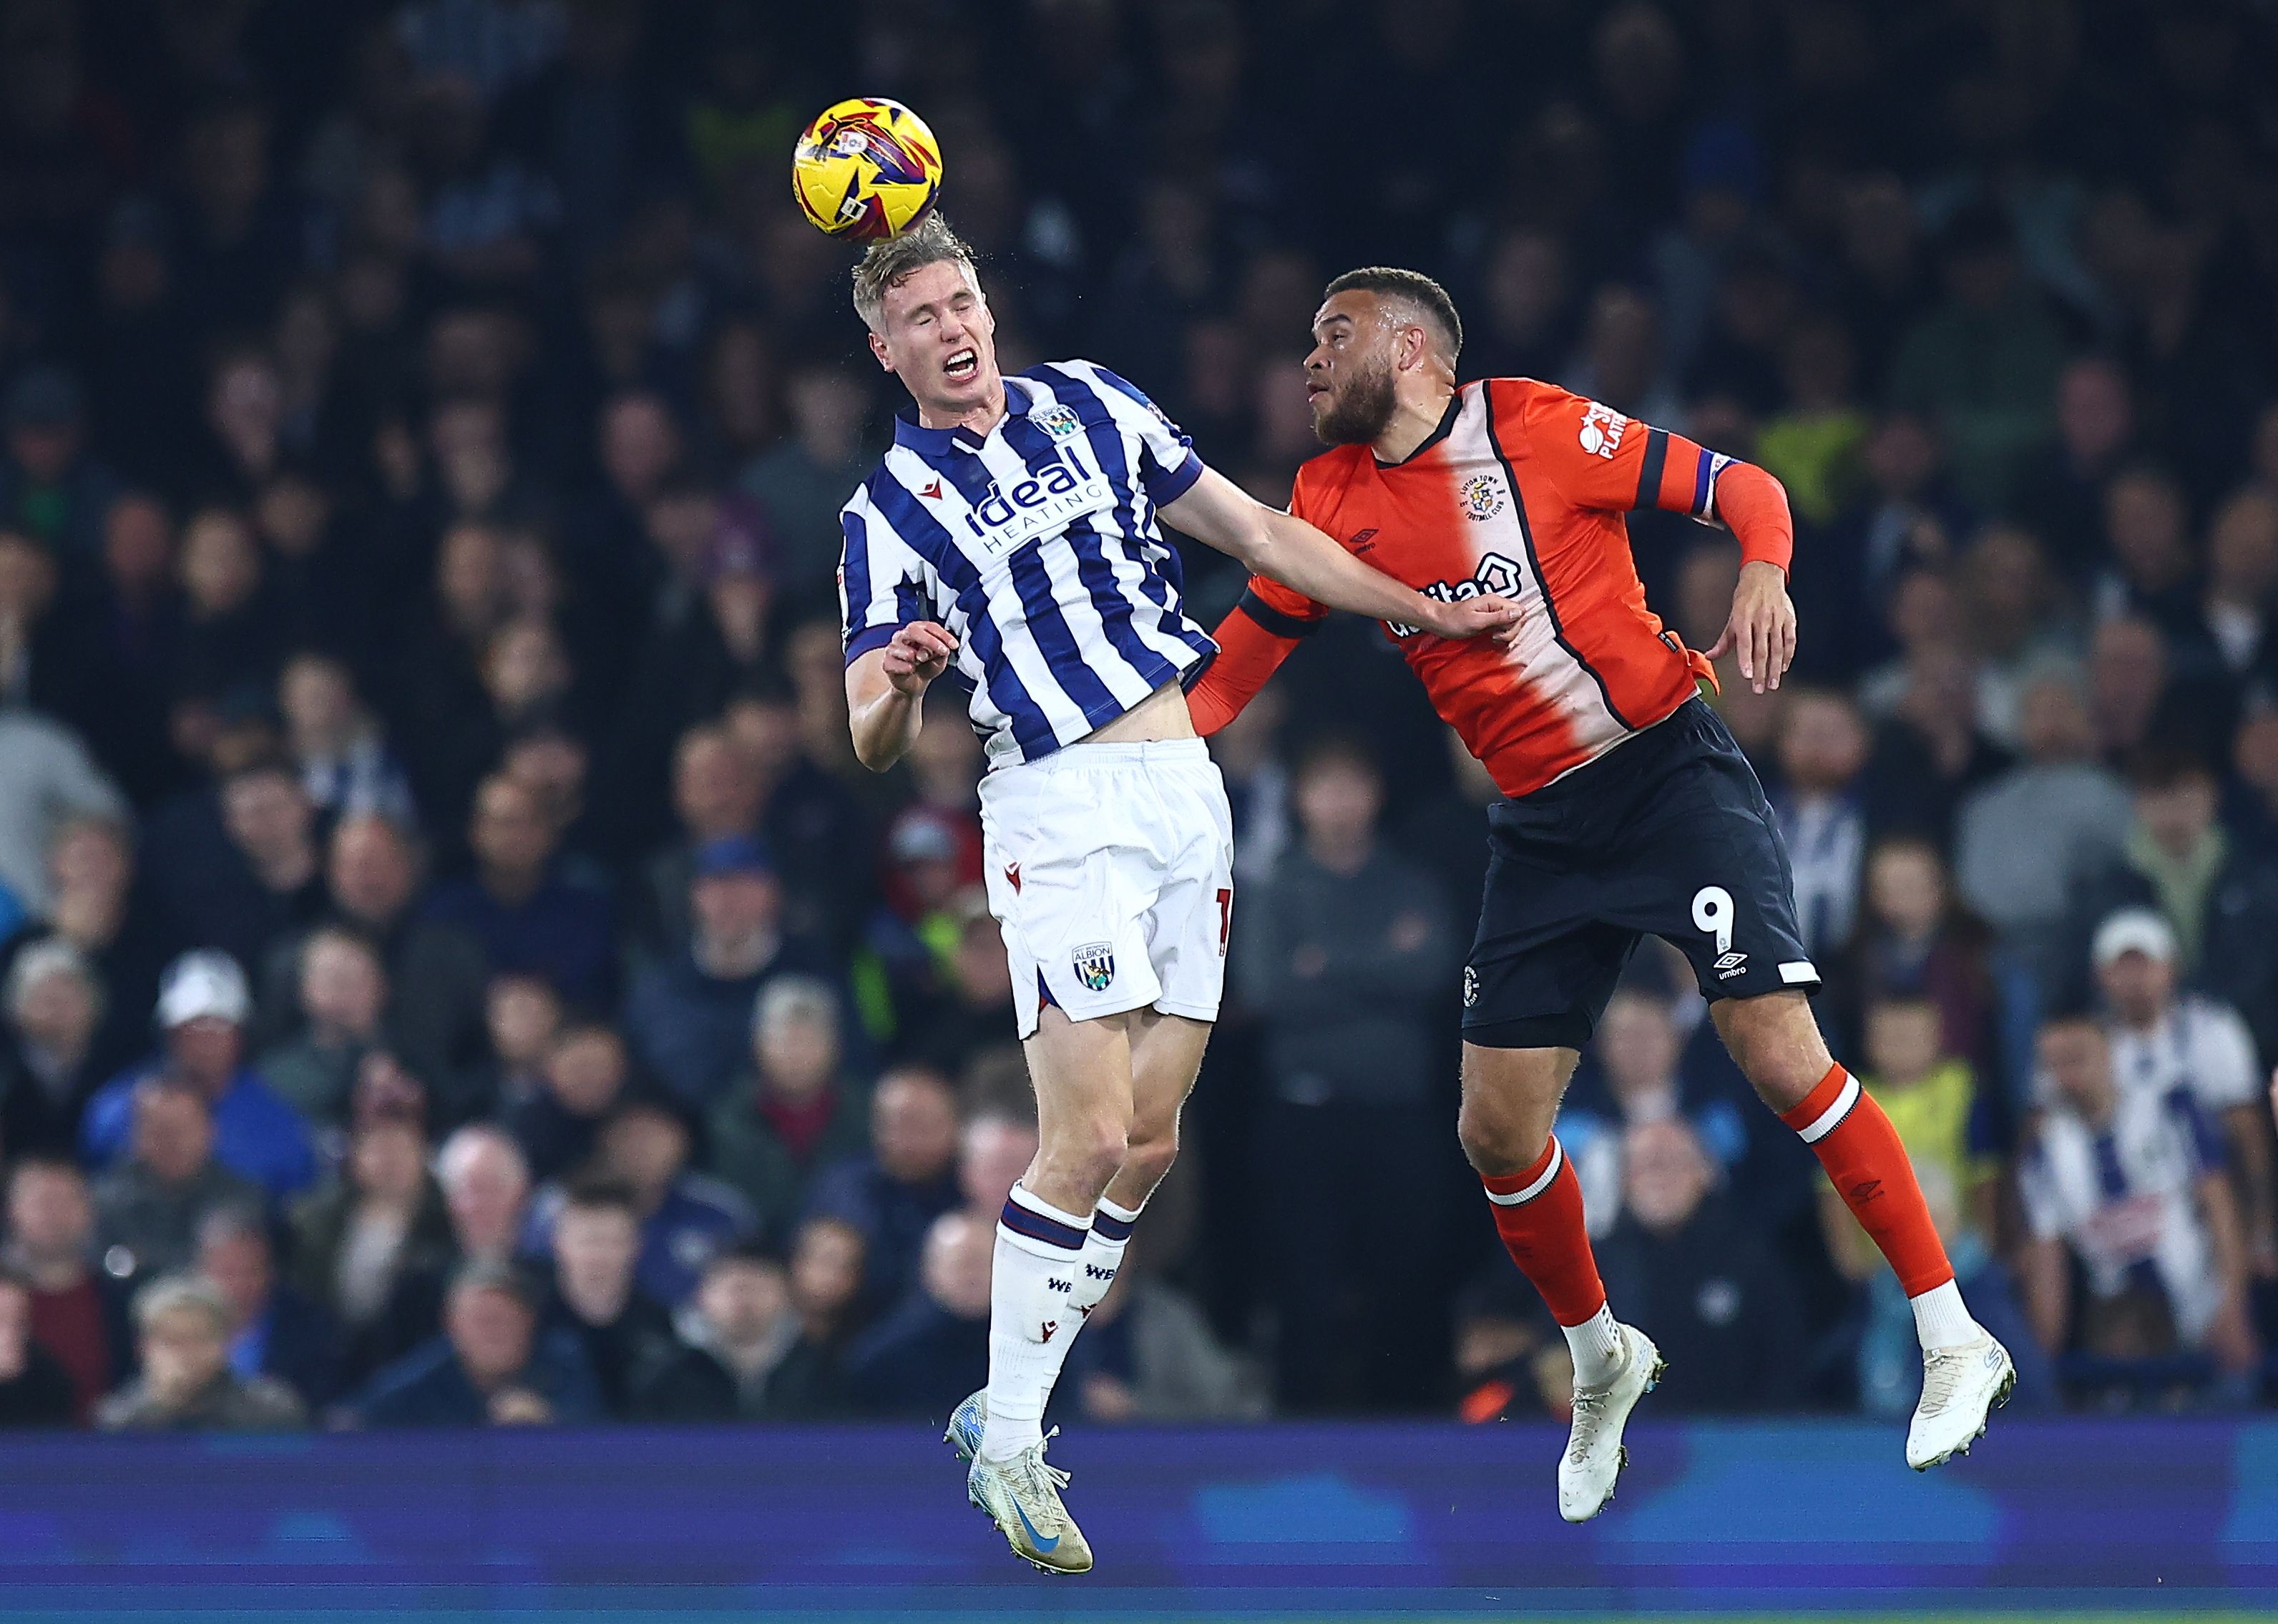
(865,169)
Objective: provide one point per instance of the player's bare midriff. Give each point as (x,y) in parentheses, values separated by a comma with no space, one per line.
(1160,715)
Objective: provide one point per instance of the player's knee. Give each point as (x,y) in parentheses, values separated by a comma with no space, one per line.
(1495,1139)
(1096,1150)
(1151,1153)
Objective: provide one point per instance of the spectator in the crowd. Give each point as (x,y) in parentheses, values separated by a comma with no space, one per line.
(818,832)
(357,1238)
(187,1384)
(78,1312)
(973,1010)
(149,1206)
(343,992)
(2124,1194)
(2219,898)
(585,1075)
(2027,841)
(1348,957)
(266,882)
(51,483)
(716,796)
(2148,573)
(2128,670)
(737,1331)
(1985,363)
(802,482)
(691,1018)
(2241,587)
(594,1296)
(931,1351)
(37,669)
(2162,1038)
(1915,939)
(522,1017)
(2062,489)
(993,1150)
(890,1193)
(795,1110)
(528,908)
(491,1366)
(1940,1111)
(53,1011)
(343,755)
(487,1194)
(1822,747)
(202,1008)
(34,1389)
(96,906)
(1702,1286)
(686,1217)
(435,971)
(273,1330)
(1638,1053)
(47,779)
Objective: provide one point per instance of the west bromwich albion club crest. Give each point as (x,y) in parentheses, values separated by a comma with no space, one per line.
(1060,422)
(1482,498)
(1095,965)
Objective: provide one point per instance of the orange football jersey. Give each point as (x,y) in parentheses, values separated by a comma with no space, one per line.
(1520,491)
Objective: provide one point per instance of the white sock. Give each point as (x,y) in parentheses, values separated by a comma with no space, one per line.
(1094,1271)
(1034,1268)
(1599,1347)
(1940,1319)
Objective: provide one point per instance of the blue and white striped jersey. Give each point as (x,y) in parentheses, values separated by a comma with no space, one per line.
(1035,544)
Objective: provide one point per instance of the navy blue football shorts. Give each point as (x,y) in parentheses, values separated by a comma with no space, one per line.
(1667,835)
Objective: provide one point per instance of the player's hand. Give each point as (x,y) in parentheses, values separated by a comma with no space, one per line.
(1763,627)
(919,652)
(1471,617)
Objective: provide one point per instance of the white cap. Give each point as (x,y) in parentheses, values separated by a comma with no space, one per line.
(203,984)
(2134,930)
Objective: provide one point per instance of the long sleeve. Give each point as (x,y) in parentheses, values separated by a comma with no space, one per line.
(1257,635)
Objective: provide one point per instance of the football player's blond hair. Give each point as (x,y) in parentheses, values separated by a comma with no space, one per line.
(894,262)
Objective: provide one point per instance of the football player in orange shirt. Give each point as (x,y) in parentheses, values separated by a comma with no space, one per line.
(1629,810)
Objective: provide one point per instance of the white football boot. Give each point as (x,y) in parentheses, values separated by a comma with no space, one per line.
(1595,1455)
(1022,1497)
(1960,1386)
(966,1422)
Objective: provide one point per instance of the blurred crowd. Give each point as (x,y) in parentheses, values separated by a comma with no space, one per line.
(454,971)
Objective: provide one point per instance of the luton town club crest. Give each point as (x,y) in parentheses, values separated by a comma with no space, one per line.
(1481,499)
(1095,965)
(1060,422)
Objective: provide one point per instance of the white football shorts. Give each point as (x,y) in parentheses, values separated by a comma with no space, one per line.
(1111,869)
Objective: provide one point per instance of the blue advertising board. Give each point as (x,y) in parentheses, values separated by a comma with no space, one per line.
(1311,1522)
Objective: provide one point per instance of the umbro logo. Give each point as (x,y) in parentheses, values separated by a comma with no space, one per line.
(1731,965)
(1364,542)
(1861,1193)
(932,492)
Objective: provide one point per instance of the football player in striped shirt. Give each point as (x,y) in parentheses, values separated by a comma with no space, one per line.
(1629,810)
(1009,540)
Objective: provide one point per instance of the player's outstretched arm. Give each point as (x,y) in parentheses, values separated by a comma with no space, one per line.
(1221,514)
(884,688)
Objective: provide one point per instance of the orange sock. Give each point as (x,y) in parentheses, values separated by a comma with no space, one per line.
(1538,1215)
(1855,1142)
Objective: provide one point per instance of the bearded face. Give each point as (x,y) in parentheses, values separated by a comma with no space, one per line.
(1359,408)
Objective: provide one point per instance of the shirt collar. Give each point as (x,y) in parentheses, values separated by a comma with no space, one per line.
(937,442)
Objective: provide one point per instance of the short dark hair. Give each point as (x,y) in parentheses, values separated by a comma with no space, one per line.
(1413,285)
(600,1192)
(2161,766)
(750,1253)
